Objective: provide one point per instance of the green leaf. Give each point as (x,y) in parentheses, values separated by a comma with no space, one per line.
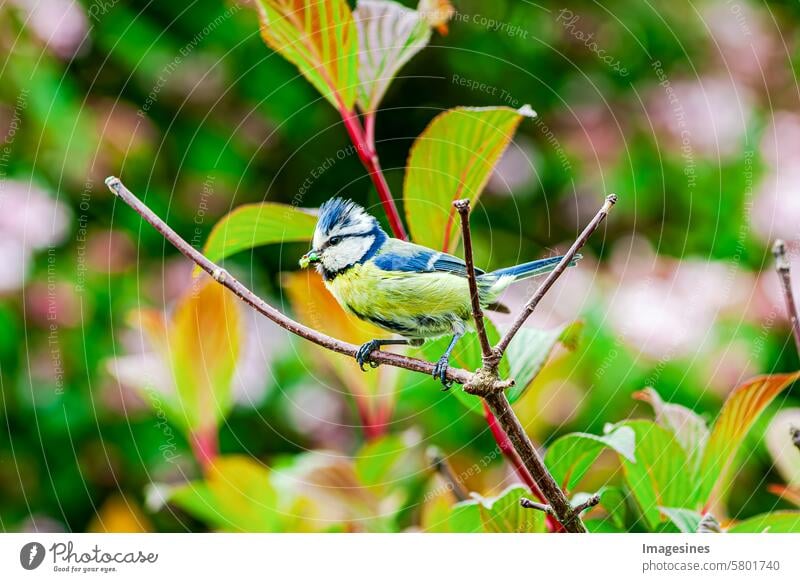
(320,38)
(253,225)
(743,406)
(236,496)
(504,514)
(659,476)
(686,520)
(613,500)
(389,35)
(775,522)
(452,159)
(529,350)
(689,429)
(442,516)
(570,456)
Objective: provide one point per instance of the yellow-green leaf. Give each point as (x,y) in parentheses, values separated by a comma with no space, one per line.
(254,225)
(775,522)
(689,429)
(659,477)
(740,411)
(236,496)
(571,456)
(320,38)
(452,159)
(504,514)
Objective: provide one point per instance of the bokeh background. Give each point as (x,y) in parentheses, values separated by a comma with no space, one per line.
(689,111)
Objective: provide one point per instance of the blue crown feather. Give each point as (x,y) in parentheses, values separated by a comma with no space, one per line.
(337,211)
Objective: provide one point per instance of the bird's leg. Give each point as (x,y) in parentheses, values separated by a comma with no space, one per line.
(440,369)
(362,355)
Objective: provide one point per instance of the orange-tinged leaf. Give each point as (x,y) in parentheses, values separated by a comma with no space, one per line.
(452,159)
(740,411)
(319,37)
(205,343)
(316,307)
(786,492)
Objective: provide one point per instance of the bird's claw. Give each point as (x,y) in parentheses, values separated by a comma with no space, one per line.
(440,372)
(362,355)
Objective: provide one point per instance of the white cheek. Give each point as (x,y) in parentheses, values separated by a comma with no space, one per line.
(346,253)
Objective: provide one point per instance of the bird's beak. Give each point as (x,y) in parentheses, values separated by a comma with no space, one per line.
(309,258)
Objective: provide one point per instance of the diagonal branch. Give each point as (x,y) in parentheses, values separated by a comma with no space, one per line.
(220,275)
(477,312)
(526,312)
(785,274)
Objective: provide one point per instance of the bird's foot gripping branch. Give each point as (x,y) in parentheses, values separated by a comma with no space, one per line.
(485,382)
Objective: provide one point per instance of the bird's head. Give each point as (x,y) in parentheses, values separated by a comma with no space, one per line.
(345,235)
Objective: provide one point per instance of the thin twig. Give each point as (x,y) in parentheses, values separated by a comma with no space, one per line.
(477,312)
(530,504)
(588,504)
(501,409)
(444,469)
(526,312)
(220,275)
(784,272)
(577,510)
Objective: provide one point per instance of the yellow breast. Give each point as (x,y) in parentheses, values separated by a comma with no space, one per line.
(403,298)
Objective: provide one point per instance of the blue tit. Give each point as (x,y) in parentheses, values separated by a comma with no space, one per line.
(404,288)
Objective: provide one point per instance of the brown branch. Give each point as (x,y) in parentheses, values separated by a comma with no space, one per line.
(526,312)
(559,503)
(785,274)
(444,469)
(224,278)
(477,312)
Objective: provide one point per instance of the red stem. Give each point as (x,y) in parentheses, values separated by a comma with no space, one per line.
(369,157)
(205,446)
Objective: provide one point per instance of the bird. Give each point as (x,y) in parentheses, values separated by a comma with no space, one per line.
(404,288)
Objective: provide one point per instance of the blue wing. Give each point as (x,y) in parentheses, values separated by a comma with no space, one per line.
(397,255)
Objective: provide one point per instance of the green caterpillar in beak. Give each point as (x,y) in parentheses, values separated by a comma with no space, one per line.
(309,258)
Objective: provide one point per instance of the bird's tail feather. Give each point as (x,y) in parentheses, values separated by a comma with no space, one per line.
(531,269)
